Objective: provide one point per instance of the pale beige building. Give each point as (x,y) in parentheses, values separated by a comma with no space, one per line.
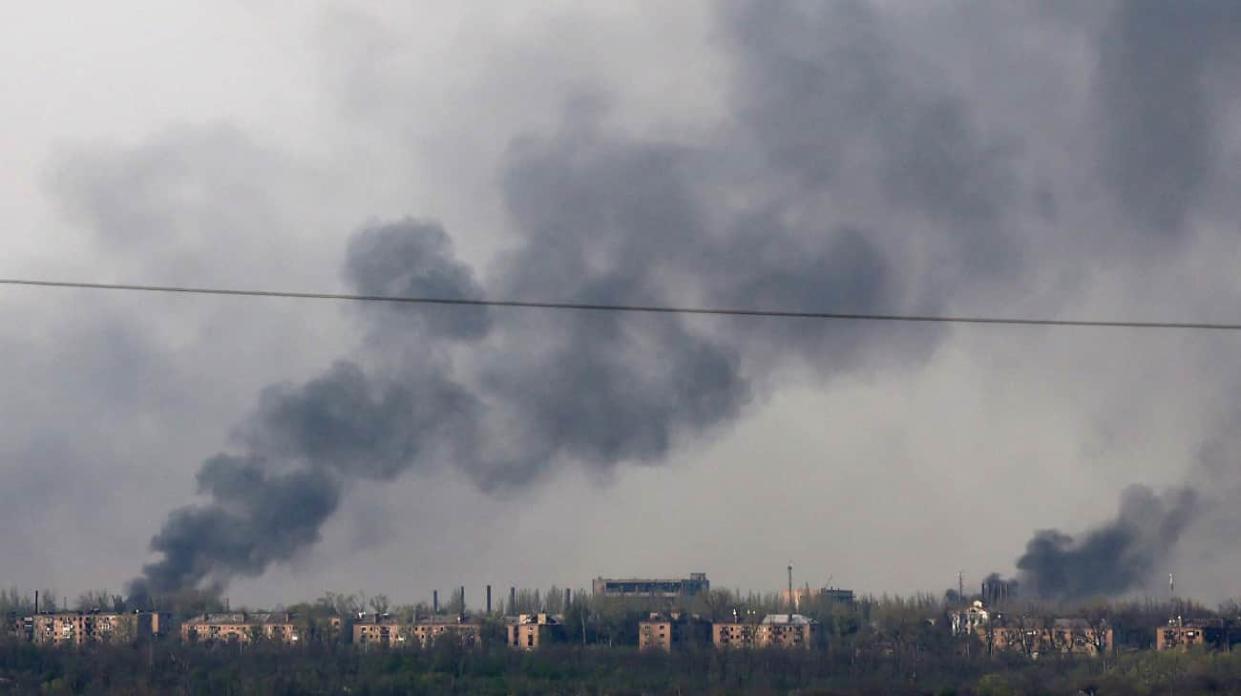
(381,631)
(1184,636)
(1064,636)
(389,632)
(241,627)
(734,634)
(82,627)
(672,631)
(774,631)
(532,631)
(465,632)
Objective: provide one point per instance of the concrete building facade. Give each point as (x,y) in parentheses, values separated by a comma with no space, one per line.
(532,631)
(672,631)
(1064,636)
(241,627)
(1183,636)
(774,631)
(464,632)
(81,627)
(379,631)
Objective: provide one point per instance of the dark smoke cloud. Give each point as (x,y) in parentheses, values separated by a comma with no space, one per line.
(1111,559)
(305,444)
(848,179)
(1162,66)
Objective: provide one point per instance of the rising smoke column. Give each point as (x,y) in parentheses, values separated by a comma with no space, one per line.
(304,444)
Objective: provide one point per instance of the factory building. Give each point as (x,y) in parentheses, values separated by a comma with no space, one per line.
(696,583)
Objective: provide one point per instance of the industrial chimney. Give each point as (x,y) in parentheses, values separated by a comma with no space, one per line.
(791,602)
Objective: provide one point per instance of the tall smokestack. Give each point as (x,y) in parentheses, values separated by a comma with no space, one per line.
(462,600)
(489,599)
(512,601)
(790,587)
(36,601)
(435,602)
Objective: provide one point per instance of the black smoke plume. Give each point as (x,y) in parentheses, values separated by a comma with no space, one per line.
(1117,557)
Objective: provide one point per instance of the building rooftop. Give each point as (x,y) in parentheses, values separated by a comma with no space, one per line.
(796,619)
(242,617)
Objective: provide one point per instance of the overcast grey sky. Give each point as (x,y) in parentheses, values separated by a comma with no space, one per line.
(1060,158)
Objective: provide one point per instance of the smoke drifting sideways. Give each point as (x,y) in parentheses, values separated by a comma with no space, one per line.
(1117,557)
(846,180)
(506,398)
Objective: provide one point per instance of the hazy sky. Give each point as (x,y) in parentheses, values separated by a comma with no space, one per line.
(1027,159)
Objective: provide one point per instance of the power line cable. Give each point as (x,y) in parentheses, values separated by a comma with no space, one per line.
(649,309)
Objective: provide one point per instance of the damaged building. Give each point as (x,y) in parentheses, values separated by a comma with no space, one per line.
(532,631)
(668,631)
(773,631)
(386,631)
(242,627)
(79,628)
(1183,635)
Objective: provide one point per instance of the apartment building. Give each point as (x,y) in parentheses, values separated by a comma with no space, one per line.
(773,631)
(241,627)
(532,631)
(672,631)
(1063,636)
(379,630)
(1185,635)
(81,627)
(461,630)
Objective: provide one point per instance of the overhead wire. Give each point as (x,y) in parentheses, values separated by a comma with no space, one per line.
(632,308)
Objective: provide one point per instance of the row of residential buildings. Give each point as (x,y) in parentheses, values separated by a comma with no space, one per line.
(1000,632)
(997,631)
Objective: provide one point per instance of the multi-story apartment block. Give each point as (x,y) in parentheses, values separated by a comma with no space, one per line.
(734,634)
(458,629)
(1064,636)
(380,630)
(241,627)
(388,632)
(672,631)
(82,627)
(532,631)
(789,631)
(652,587)
(1182,635)
(774,631)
